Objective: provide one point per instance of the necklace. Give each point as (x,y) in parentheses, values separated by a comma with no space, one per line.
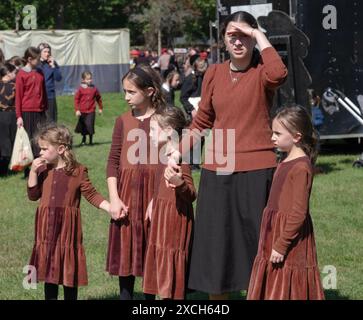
(233,79)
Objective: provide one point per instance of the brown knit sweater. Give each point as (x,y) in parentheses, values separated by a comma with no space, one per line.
(243,106)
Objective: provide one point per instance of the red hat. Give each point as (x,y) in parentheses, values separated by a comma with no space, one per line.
(203,55)
(135,52)
(164,50)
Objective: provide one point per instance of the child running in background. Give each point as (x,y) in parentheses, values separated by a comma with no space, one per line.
(130,178)
(85,106)
(170,213)
(58,180)
(286,265)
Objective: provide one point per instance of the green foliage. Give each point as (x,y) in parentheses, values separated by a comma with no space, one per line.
(142,17)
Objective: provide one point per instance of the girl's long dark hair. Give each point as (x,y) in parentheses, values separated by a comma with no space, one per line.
(297,119)
(31,52)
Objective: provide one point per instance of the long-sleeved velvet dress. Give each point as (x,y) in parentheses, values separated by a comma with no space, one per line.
(287,228)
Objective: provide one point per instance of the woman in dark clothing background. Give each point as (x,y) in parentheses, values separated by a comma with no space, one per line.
(169,86)
(190,95)
(7,115)
(194,69)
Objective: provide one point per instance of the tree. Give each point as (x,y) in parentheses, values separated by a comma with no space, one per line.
(146,19)
(198,27)
(164,17)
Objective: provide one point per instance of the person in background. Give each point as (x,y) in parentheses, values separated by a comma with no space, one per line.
(52,73)
(191,91)
(154,60)
(16,61)
(171,84)
(164,62)
(2,58)
(31,100)
(7,115)
(317,113)
(85,106)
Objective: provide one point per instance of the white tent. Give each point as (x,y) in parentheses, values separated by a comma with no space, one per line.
(103,52)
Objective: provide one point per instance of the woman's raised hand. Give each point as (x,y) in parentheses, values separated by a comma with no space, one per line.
(241,28)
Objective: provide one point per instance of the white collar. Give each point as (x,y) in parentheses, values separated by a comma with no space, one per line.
(27,69)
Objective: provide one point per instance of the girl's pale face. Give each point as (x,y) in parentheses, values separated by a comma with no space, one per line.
(45,54)
(12,75)
(134,96)
(175,81)
(50,153)
(158,135)
(238,44)
(88,80)
(282,139)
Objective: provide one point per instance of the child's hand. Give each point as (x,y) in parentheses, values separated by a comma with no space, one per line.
(276,257)
(37,163)
(173,163)
(118,210)
(105,205)
(174,176)
(78,113)
(20,122)
(100,111)
(149,210)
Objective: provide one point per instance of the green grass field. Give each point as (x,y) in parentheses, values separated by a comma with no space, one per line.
(336,208)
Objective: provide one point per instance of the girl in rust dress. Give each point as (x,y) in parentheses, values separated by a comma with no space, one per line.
(286,266)
(58,181)
(130,178)
(170,213)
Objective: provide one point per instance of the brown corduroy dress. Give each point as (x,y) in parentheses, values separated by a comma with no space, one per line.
(287,228)
(129,161)
(167,256)
(58,252)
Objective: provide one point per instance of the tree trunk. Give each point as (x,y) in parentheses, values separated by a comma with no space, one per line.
(59,18)
(159,41)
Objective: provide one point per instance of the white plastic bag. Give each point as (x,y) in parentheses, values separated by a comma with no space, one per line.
(22,155)
(195,102)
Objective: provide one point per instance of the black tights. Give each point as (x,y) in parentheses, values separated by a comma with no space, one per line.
(90,139)
(51,292)
(127,289)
